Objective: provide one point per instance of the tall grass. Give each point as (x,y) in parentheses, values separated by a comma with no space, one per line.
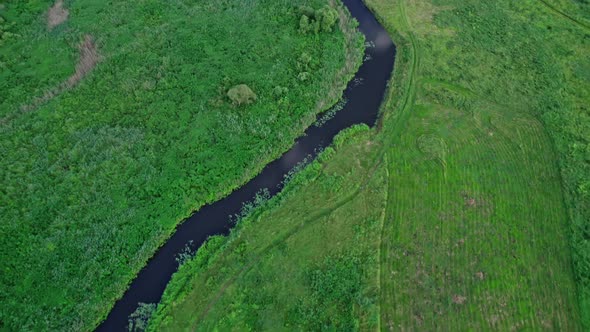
(97,177)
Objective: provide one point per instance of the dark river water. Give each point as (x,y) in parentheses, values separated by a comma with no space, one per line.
(363,94)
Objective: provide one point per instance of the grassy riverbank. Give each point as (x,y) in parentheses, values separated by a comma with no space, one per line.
(462,212)
(115,124)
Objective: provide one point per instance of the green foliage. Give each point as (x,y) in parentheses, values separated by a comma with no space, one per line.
(138,320)
(305,25)
(306,11)
(314,21)
(304,61)
(97,178)
(349,133)
(241,94)
(6,29)
(328,17)
(280,91)
(303,76)
(335,289)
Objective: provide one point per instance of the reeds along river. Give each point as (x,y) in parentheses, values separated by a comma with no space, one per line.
(363,94)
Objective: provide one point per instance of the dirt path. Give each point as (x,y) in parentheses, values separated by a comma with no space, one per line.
(89,58)
(56,15)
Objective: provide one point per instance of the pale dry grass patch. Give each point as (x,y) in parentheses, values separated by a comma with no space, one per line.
(423,13)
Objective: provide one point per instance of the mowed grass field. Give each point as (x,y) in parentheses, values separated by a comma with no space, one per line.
(115,124)
(476,232)
(462,211)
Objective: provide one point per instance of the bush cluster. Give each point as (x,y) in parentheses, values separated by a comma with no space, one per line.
(6,32)
(314,21)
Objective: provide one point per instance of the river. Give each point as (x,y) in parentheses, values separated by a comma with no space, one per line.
(363,96)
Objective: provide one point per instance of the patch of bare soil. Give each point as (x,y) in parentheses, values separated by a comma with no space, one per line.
(57,15)
(89,58)
(459,299)
(477,202)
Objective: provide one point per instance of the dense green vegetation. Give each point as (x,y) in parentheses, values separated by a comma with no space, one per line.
(461,212)
(116,123)
(319,284)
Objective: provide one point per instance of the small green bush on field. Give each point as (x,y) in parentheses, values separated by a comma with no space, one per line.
(335,286)
(241,94)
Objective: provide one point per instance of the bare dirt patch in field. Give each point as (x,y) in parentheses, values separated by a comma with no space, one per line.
(459,299)
(477,201)
(57,15)
(89,58)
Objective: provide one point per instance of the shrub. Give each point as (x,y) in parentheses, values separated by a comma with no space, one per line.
(138,320)
(241,94)
(304,61)
(328,17)
(279,91)
(303,76)
(317,20)
(304,24)
(308,25)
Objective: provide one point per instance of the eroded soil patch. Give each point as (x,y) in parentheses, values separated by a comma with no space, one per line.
(89,58)
(57,15)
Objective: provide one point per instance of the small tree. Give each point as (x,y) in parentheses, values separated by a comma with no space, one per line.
(303,61)
(312,21)
(328,17)
(241,94)
(303,76)
(304,24)
(279,91)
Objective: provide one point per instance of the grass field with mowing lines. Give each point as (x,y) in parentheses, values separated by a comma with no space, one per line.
(466,245)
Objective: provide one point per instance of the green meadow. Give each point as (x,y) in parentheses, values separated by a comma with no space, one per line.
(467,208)
(117,121)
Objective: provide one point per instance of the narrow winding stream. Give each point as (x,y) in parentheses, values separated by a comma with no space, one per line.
(363,94)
